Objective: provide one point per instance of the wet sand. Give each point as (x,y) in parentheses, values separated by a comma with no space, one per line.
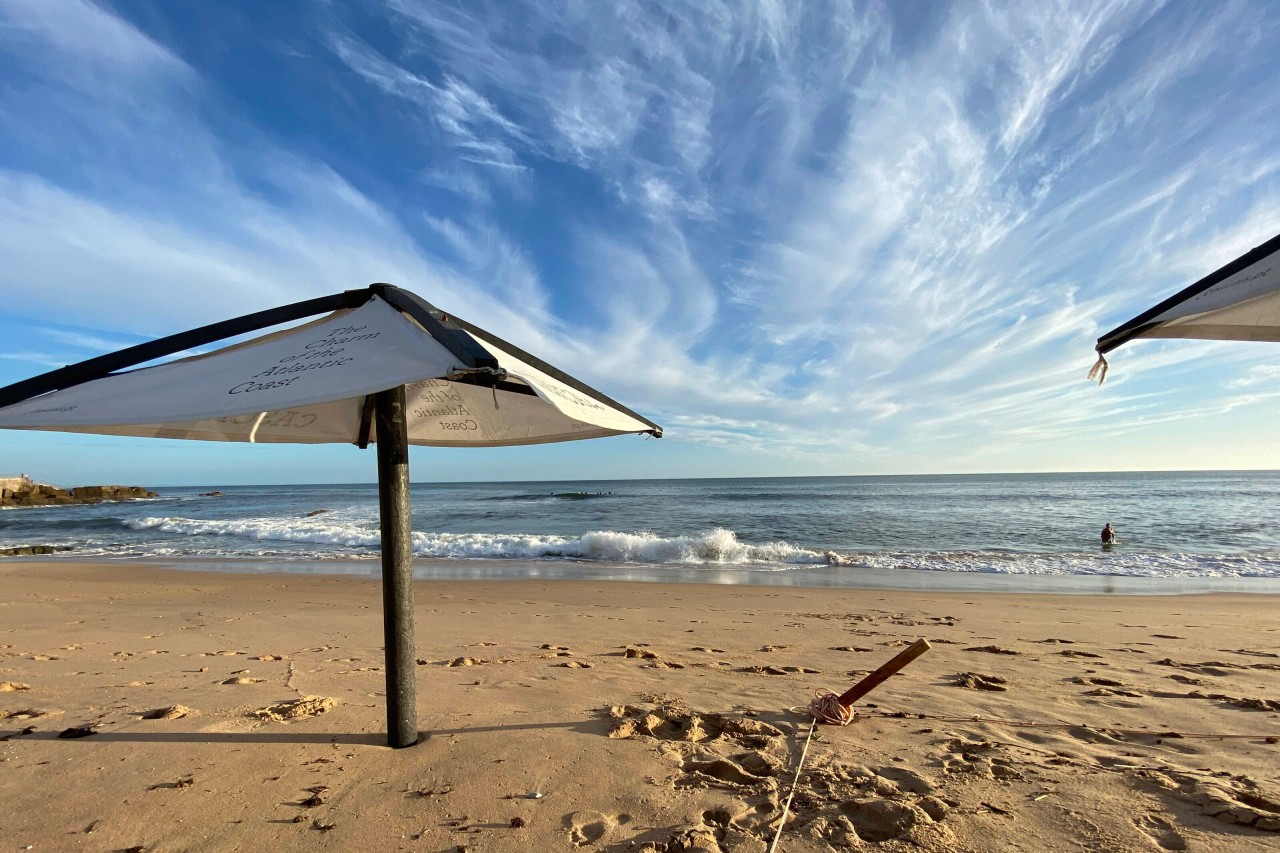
(181,710)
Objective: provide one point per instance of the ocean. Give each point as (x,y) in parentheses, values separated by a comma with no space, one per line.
(839,531)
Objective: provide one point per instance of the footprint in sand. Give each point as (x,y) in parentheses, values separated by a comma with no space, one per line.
(779,670)
(676,723)
(1105,687)
(906,779)
(728,770)
(296,709)
(978,681)
(1239,702)
(1208,667)
(1161,832)
(877,820)
(992,650)
(473,662)
(1186,679)
(872,806)
(172,712)
(24,714)
(1238,800)
(588,827)
(695,839)
(1251,652)
(982,758)
(1113,691)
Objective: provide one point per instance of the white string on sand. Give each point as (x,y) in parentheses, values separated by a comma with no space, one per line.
(825,708)
(786,807)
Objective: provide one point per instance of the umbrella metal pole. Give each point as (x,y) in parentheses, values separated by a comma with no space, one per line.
(397,566)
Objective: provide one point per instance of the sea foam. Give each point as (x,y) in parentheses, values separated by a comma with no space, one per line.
(343,536)
(335,537)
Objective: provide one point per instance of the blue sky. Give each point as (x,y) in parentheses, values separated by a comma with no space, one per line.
(807,238)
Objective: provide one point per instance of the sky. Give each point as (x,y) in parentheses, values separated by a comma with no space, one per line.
(814,238)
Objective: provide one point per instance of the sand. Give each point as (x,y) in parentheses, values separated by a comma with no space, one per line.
(156,710)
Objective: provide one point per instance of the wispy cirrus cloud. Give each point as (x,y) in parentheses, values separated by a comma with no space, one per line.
(43,359)
(474,124)
(84,340)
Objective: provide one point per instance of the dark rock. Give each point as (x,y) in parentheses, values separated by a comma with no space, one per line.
(40,494)
(31,550)
(111,493)
(213,494)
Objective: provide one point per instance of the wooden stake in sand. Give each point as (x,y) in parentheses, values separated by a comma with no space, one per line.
(881,675)
(827,707)
(830,708)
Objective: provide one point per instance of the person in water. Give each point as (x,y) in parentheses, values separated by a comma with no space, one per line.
(1108,535)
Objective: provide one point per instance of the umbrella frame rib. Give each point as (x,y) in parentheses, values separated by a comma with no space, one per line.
(105,365)
(438,323)
(1146,320)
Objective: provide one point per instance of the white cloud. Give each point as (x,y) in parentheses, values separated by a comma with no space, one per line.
(475,125)
(34,357)
(1259,374)
(84,340)
(49,32)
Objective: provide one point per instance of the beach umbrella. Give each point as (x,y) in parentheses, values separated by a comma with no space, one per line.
(381,366)
(1239,302)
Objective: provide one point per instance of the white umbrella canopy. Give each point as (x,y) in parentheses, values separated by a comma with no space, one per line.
(381,366)
(310,384)
(1239,302)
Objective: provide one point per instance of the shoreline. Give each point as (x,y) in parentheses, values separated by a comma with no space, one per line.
(817,577)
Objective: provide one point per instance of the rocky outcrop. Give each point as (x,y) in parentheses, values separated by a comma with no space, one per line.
(42,494)
(32,550)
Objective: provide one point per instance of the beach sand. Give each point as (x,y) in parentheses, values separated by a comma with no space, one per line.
(247,712)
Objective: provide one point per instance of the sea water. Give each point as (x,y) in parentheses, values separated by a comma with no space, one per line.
(776,530)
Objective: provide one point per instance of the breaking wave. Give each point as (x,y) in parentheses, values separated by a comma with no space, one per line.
(333,536)
(336,538)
